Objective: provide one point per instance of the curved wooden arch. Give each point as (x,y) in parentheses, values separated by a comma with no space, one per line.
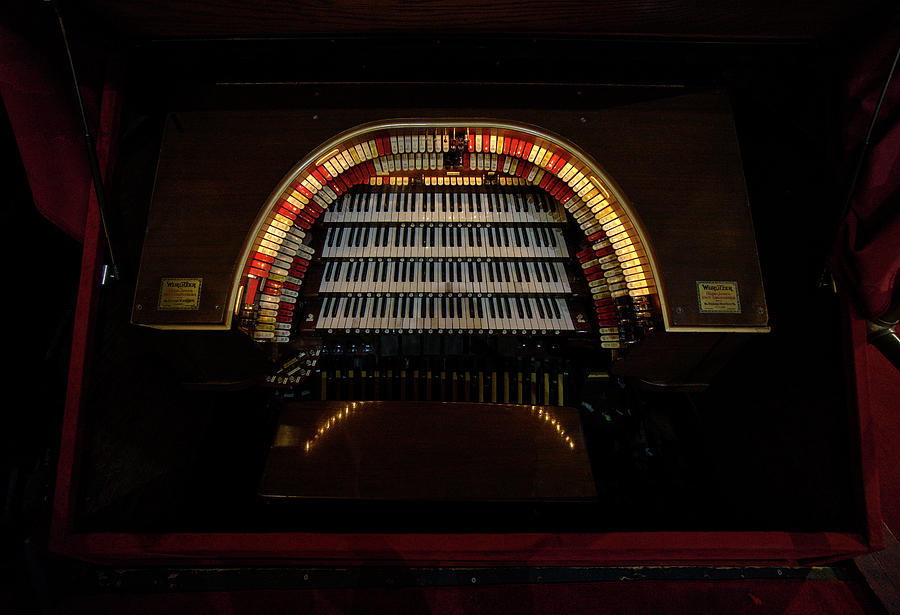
(619,261)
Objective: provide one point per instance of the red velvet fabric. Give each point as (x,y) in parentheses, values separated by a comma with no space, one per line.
(866,256)
(42,110)
(884,393)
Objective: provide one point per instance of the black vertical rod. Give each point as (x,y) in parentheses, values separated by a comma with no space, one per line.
(99,190)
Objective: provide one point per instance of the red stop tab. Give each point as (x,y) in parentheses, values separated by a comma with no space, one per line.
(250,292)
(289,206)
(560,163)
(287,213)
(526,150)
(551,164)
(520,149)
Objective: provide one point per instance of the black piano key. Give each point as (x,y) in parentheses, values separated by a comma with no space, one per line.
(555,305)
(553,271)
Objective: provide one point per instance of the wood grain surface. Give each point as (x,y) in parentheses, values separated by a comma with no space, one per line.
(427,451)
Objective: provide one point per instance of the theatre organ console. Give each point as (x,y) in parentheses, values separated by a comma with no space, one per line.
(456,259)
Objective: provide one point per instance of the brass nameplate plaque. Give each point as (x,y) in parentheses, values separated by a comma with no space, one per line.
(718,297)
(179,294)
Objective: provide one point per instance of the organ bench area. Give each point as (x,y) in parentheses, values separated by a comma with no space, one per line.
(451,260)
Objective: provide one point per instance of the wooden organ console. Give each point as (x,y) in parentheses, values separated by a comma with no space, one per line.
(440,260)
(471,227)
(447,299)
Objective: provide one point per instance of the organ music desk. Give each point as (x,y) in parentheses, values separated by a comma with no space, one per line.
(439,320)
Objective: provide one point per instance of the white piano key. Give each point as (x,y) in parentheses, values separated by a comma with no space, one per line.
(364,320)
(341,320)
(518,318)
(391,307)
(416,320)
(539,319)
(362,285)
(531,282)
(507,318)
(460,284)
(353,273)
